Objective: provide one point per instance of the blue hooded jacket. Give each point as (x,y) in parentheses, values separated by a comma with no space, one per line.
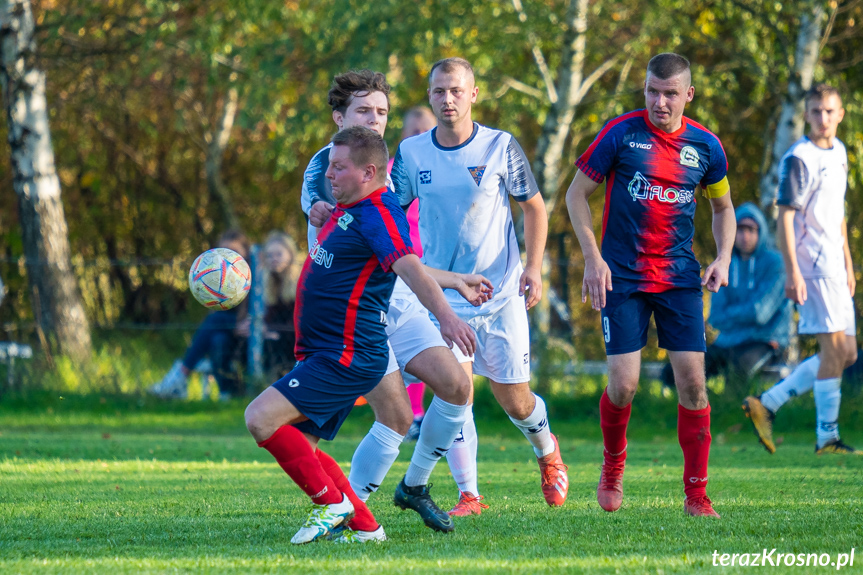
(753,307)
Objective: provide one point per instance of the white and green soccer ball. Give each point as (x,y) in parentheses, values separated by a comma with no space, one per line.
(220,278)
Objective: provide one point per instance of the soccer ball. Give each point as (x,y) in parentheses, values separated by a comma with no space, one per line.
(220,278)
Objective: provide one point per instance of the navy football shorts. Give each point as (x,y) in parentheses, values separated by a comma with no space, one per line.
(324,390)
(679,316)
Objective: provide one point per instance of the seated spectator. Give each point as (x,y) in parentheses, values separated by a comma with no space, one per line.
(218,338)
(752,314)
(280,292)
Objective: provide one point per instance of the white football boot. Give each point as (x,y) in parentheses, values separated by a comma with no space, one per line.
(350,536)
(322,519)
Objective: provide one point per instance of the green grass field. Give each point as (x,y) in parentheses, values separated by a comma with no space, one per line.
(131,486)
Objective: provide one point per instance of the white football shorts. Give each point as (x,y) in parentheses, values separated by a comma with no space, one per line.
(828,308)
(410,330)
(502,341)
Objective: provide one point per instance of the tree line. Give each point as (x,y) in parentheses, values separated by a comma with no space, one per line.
(172,121)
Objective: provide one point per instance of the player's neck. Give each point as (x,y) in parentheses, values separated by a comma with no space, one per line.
(456,135)
(667,129)
(824,142)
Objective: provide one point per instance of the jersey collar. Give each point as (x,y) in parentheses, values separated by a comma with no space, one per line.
(377,192)
(453,148)
(659,132)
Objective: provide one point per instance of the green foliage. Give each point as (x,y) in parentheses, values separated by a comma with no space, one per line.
(136,89)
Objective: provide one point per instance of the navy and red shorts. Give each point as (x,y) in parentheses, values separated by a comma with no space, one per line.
(678,313)
(324,390)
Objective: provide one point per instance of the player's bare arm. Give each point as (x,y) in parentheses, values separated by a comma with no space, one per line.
(724,230)
(453,330)
(320,213)
(597,276)
(795,287)
(474,288)
(849,265)
(535,234)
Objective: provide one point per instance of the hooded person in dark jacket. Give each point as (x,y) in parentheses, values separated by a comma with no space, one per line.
(752,314)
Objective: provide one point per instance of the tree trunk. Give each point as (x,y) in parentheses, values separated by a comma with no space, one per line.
(217,143)
(56,301)
(790,125)
(571,88)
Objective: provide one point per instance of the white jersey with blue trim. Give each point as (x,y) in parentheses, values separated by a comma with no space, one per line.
(465,220)
(317,188)
(813,181)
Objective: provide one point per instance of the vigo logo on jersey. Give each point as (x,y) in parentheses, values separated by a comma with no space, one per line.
(320,256)
(640,188)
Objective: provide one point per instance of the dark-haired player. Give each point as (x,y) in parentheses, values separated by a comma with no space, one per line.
(360,98)
(342,299)
(653,160)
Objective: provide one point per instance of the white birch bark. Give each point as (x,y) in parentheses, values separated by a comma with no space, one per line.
(790,125)
(57,303)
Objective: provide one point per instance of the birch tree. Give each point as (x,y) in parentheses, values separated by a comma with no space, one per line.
(56,301)
(790,125)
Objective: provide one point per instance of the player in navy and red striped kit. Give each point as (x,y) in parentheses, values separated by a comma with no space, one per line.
(340,316)
(653,160)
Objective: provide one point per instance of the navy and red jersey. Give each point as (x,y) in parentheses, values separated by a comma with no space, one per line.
(344,289)
(648,219)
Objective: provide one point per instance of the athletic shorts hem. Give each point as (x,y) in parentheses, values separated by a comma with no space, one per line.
(502,380)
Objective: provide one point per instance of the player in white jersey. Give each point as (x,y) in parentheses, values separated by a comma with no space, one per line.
(813,237)
(416,344)
(464,175)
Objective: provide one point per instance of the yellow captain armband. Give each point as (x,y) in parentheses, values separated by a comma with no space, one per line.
(718,189)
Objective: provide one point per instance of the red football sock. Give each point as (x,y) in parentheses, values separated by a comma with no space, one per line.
(613,421)
(693,432)
(294,454)
(363,520)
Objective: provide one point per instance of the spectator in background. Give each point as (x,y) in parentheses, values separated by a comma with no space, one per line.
(752,314)
(280,292)
(218,338)
(418,120)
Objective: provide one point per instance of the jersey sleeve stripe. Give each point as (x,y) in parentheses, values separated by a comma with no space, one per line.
(582,161)
(393,229)
(395,256)
(582,165)
(351,314)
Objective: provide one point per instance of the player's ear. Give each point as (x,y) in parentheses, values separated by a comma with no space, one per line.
(690,93)
(370,173)
(339,119)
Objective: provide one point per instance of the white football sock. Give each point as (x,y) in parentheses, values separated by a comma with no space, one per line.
(796,384)
(536,429)
(462,455)
(827,399)
(441,425)
(374,456)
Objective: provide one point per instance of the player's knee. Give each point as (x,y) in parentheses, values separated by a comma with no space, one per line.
(461,392)
(851,357)
(255,422)
(399,420)
(457,389)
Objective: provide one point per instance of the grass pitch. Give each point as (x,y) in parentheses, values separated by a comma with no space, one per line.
(106,487)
